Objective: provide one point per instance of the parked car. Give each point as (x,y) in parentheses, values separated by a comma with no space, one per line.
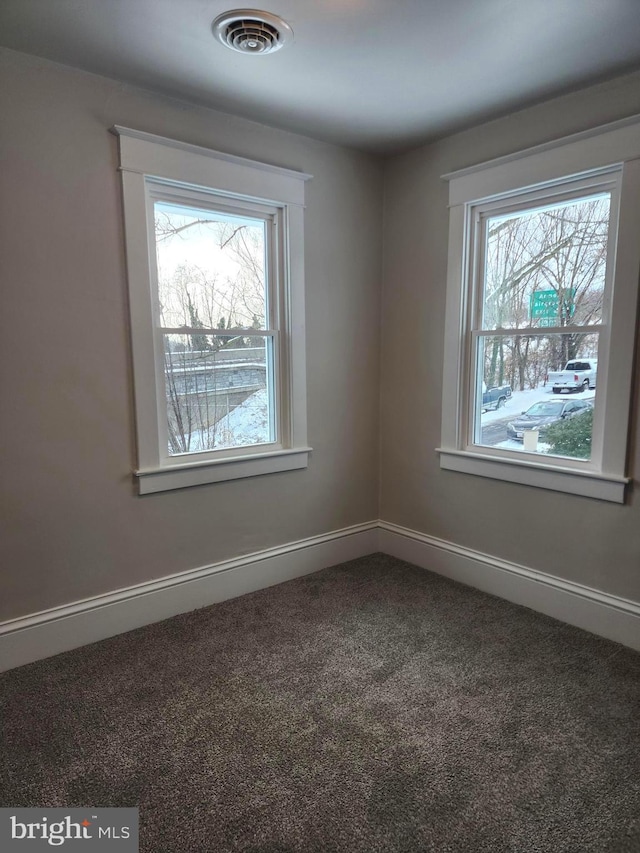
(542,415)
(578,375)
(494,398)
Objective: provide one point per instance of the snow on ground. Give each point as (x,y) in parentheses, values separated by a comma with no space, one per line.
(521,400)
(512,444)
(247,424)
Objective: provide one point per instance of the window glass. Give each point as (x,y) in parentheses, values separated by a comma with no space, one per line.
(219,392)
(520,393)
(211,268)
(546,267)
(541,301)
(212,278)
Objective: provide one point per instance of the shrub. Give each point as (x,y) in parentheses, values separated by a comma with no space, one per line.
(571,437)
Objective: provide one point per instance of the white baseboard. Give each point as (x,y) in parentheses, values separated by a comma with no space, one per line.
(595,611)
(49,632)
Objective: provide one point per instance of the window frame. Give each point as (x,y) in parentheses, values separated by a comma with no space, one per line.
(153,168)
(549,171)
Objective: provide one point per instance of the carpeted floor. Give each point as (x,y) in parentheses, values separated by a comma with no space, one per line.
(369,707)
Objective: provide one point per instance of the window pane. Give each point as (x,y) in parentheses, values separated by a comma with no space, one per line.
(219,392)
(529,396)
(211,268)
(546,266)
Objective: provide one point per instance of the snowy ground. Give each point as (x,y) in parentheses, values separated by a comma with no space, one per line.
(247,424)
(519,402)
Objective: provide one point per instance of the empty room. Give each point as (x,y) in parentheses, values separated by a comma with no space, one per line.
(320,388)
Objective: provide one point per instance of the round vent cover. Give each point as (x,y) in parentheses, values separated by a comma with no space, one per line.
(251,31)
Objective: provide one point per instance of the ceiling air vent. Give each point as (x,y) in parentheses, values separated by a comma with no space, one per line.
(251,31)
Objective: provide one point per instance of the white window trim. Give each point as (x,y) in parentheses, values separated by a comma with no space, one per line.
(582,155)
(144,157)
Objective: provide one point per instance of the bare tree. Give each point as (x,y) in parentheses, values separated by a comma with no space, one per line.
(216,302)
(560,250)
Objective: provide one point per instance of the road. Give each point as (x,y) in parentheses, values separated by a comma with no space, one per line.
(495,431)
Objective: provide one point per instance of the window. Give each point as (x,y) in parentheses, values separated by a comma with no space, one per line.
(215,269)
(543,279)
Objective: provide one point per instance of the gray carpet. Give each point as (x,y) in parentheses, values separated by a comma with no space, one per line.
(369,707)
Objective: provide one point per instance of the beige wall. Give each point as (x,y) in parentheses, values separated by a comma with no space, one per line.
(72,525)
(587,541)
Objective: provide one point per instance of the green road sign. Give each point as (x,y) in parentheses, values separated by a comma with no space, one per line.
(544,305)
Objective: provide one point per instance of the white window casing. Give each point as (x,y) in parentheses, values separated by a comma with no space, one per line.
(606,158)
(153,168)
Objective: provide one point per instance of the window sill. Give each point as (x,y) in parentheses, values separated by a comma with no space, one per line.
(590,484)
(187,474)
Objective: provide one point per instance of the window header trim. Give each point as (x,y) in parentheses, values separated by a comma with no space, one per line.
(119,130)
(582,155)
(550,145)
(171,160)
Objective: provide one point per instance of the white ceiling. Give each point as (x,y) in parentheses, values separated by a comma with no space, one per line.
(380,75)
